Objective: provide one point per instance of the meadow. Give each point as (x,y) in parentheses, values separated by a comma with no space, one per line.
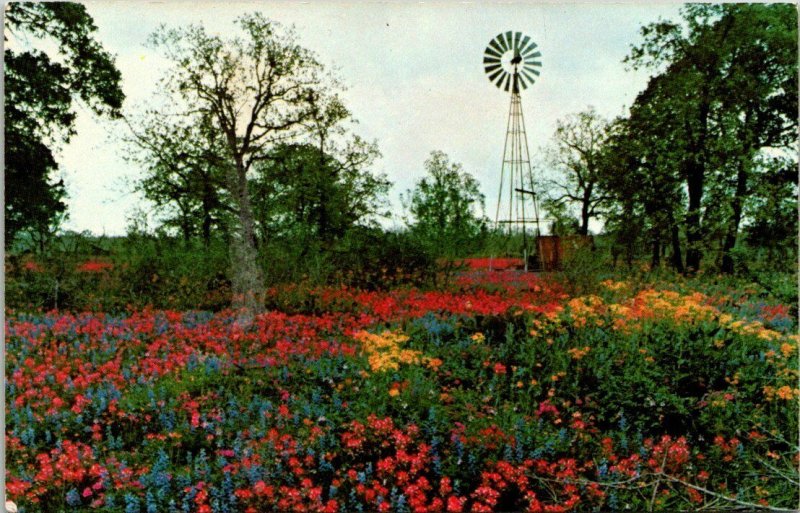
(500,391)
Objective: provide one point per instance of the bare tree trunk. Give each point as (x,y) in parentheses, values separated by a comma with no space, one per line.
(695,182)
(585,205)
(733,230)
(738,201)
(677,257)
(655,259)
(246,278)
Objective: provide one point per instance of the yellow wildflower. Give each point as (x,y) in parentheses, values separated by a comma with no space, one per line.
(434,363)
(787,393)
(384,352)
(578,353)
(614,285)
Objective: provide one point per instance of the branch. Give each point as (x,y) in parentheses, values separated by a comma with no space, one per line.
(724,497)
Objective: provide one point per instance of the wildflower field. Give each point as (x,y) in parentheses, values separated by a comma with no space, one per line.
(498,393)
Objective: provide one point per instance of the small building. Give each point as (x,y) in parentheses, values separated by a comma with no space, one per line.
(554,250)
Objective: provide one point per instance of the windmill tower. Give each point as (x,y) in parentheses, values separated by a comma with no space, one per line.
(512,63)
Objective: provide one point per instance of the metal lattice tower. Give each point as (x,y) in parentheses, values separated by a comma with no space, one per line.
(511,63)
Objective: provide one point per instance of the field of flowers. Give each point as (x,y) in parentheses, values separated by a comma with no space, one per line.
(501,393)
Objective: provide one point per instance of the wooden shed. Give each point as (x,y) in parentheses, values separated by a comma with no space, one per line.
(555,250)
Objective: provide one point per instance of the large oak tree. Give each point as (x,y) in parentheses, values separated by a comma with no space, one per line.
(725,90)
(257,90)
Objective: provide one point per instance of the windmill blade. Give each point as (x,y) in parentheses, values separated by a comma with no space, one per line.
(523,46)
(488,59)
(533,63)
(507,82)
(521,80)
(492,67)
(502,42)
(528,77)
(492,52)
(534,55)
(528,50)
(502,79)
(495,74)
(510,40)
(531,70)
(495,46)
(492,55)
(517,37)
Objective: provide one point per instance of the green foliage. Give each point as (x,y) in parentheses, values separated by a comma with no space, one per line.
(365,257)
(443,208)
(287,184)
(371,258)
(725,91)
(184,172)
(41,91)
(576,155)
(85,273)
(305,195)
(582,270)
(562,222)
(273,84)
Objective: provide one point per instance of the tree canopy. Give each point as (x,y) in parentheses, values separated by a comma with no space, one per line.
(576,155)
(41,92)
(255,89)
(725,90)
(446,207)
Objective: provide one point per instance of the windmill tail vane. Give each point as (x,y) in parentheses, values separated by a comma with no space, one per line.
(511,62)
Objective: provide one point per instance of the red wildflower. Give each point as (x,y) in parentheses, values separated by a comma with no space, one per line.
(94,266)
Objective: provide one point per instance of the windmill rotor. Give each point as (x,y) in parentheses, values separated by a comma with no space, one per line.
(512,60)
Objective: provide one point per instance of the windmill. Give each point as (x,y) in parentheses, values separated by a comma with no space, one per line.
(512,63)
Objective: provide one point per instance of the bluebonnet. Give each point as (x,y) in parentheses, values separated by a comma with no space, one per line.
(150,503)
(73,497)
(132,504)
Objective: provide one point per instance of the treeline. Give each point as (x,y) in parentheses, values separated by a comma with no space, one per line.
(251,163)
(703,170)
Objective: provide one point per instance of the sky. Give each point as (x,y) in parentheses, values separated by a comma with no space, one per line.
(413,76)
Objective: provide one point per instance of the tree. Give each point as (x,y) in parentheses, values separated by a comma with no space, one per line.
(727,89)
(184,178)
(562,221)
(41,92)
(641,176)
(576,154)
(772,213)
(321,185)
(316,200)
(446,208)
(256,90)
